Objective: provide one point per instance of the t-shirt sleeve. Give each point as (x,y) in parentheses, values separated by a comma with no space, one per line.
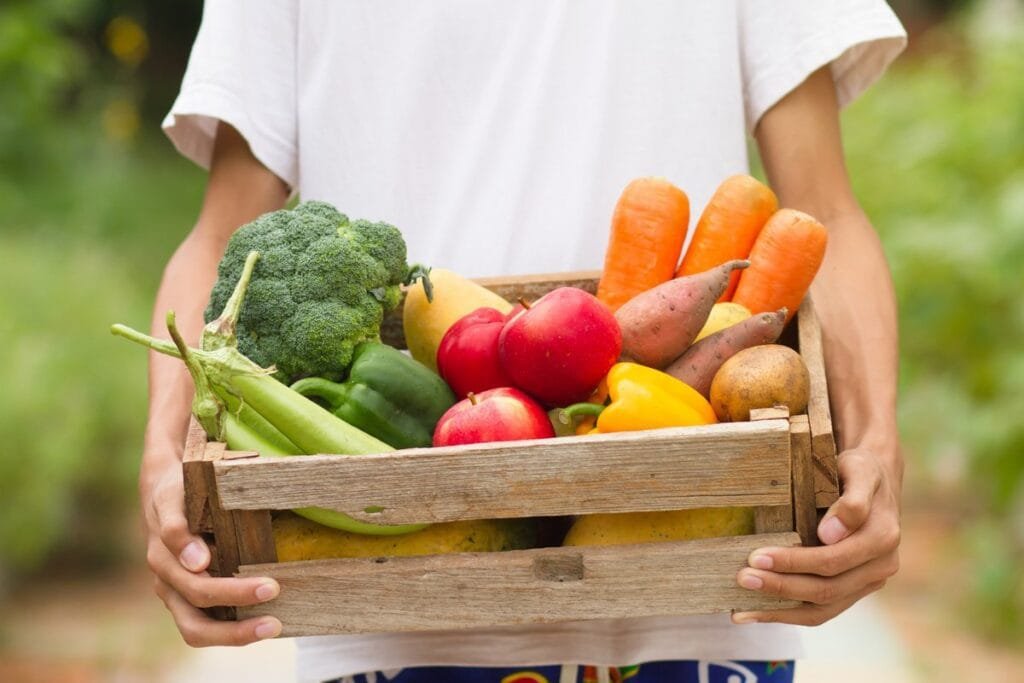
(782,42)
(241,71)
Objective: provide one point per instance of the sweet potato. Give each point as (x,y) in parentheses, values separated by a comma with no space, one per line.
(699,363)
(659,324)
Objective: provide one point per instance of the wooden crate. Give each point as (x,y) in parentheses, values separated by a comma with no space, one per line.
(782,466)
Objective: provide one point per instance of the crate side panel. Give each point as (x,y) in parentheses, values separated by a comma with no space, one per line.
(476,590)
(743,464)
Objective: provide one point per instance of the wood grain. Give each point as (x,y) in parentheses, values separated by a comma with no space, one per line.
(531,287)
(805,510)
(772,518)
(197,508)
(742,464)
(819,413)
(475,590)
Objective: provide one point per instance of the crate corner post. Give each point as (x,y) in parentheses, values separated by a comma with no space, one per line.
(235,537)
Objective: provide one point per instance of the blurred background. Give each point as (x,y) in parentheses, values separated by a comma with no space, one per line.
(94,199)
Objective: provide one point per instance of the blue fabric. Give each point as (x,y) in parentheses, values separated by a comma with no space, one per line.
(651,672)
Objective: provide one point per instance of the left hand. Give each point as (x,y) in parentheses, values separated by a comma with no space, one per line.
(861,536)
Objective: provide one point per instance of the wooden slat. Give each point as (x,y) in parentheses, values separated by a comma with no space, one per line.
(254,536)
(475,590)
(774,413)
(742,464)
(195,441)
(531,287)
(197,510)
(772,518)
(804,508)
(823,443)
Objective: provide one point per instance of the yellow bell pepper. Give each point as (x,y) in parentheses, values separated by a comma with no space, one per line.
(645,398)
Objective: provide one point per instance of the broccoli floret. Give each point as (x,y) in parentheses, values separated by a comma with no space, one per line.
(321,286)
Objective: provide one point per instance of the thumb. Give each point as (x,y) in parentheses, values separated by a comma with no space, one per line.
(860,479)
(169,512)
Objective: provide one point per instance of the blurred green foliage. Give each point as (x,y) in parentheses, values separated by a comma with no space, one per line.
(95,201)
(936,153)
(92,209)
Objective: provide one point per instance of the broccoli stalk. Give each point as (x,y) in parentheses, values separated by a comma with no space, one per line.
(236,399)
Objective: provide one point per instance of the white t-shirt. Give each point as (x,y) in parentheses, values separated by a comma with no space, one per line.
(497,136)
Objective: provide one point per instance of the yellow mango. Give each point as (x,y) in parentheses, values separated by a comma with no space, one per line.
(723,315)
(300,539)
(650,527)
(425,322)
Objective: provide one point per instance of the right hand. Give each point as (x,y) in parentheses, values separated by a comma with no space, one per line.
(178,560)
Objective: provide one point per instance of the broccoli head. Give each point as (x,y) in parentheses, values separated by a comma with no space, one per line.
(321,286)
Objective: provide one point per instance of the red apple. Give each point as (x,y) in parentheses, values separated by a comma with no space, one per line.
(560,348)
(467,358)
(502,414)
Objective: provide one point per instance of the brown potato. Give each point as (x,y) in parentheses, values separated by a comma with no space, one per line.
(760,377)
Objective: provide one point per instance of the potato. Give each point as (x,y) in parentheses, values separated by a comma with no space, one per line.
(760,377)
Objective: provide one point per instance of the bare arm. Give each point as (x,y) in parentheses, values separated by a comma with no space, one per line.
(800,144)
(239,189)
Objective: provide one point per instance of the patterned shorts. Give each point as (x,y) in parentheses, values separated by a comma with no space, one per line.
(651,672)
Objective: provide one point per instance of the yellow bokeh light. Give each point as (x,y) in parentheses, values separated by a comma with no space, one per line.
(121,120)
(127,40)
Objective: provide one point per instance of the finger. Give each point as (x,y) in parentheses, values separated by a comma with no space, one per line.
(805,615)
(879,537)
(168,504)
(203,590)
(199,630)
(861,478)
(816,589)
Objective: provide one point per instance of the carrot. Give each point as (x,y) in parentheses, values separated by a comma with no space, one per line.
(728,227)
(783,262)
(648,229)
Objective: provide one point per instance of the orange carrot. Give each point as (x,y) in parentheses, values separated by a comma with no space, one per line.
(783,262)
(728,227)
(648,229)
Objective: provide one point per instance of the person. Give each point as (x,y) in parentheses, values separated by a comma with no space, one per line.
(497,136)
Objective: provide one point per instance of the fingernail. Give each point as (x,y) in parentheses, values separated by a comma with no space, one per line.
(193,556)
(760,561)
(267,590)
(271,628)
(744,618)
(751,581)
(832,530)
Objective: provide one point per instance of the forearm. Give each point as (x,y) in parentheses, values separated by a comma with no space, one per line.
(856,303)
(853,292)
(239,190)
(185,287)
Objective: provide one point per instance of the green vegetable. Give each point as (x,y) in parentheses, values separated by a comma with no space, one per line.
(238,402)
(322,286)
(387,394)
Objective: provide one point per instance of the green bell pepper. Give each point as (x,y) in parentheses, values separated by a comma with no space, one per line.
(387,395)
